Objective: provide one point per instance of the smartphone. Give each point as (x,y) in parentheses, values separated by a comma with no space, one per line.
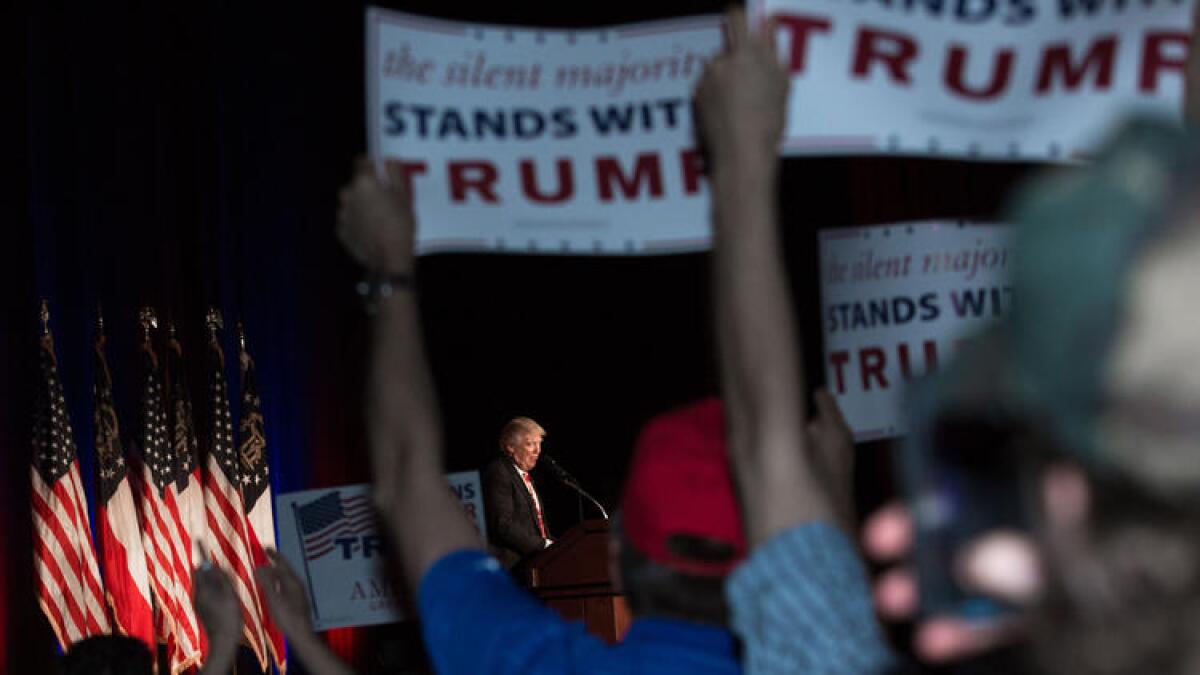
(962,475)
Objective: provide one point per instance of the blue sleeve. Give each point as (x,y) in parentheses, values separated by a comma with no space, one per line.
(475,620)
(802,604)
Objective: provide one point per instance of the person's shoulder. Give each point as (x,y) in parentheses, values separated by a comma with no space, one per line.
(495,468)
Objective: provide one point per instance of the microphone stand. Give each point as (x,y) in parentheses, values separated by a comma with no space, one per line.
(569,480)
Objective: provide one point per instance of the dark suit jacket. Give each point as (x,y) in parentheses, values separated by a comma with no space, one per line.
(511,516)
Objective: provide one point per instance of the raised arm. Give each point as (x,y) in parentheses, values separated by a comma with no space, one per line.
(800,603)
(219,611)
(404,433)
(287,601)
(741,101)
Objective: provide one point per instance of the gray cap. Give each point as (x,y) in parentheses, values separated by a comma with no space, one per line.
(1080,234)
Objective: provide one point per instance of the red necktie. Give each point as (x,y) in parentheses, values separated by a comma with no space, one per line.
(537,508)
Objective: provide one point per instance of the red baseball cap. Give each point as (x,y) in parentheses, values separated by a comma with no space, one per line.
(680,484)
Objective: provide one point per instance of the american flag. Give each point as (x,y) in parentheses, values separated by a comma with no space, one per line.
(168,550)
(256,488)
(120,536)
(69,589)
(324,520)
(187,448)
(223,500)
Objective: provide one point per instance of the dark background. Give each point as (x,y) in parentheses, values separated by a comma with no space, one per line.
(187,155)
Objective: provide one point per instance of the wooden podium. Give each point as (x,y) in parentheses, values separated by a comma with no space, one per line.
(572,578)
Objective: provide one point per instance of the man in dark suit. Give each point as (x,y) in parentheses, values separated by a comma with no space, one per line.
(516,524)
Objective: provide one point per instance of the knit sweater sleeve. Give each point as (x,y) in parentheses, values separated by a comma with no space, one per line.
(802,605)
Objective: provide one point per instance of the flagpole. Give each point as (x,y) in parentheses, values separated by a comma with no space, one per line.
(304,556)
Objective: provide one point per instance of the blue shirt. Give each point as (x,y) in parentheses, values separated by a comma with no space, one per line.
(476,620)
(801,604)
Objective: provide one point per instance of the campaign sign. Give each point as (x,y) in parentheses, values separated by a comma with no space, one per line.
(524,140)
(330,537)
(1021,80)
(897,301)
(468,489)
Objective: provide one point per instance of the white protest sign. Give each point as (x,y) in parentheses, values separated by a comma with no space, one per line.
(527,140)
(469,490)
(329,536)
(1029,80)
(896,301)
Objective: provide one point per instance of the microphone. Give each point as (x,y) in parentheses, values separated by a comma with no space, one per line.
(558,470)
(569,480)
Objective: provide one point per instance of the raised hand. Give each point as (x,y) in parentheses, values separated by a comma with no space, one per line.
(219,610)
(1002,564)
(376,223)
(741,100)
(286,598)
(287,601)
(217,604)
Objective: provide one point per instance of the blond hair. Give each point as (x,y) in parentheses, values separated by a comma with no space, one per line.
(516,428)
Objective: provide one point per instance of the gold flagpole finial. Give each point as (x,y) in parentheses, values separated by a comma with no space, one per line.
(149,321)
(214,321)
(45,316)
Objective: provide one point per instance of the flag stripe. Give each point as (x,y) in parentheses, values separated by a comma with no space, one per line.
(50,572)
(222,556)
(49,565)
(227,520)
(60,538)
(327,546)
(64,501)
(234,559)
(126,576)
(170,588)
(160,567)
(46,600)
(271,634)
(51,551)
(131,604)
(180,549)
(191,512)
(356,510)
(55,502)
(160,583)
(346,527)
(50,581)
(170,574)
(94,591)
(334,527)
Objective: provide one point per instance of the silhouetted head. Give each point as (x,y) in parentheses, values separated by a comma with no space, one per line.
(108,655)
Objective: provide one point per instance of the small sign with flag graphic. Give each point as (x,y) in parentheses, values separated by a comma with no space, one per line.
(330,537)
(326,520)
